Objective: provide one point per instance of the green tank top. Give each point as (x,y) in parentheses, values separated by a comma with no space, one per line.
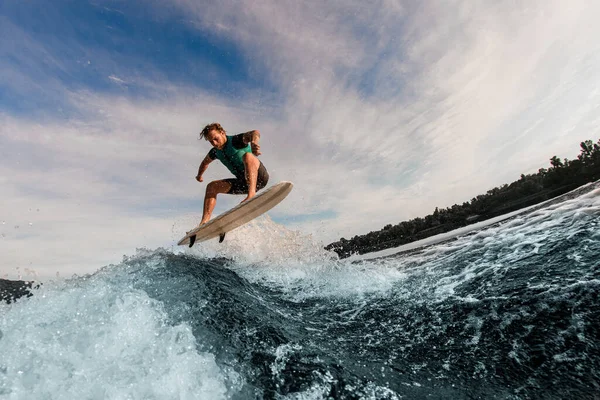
(232,158)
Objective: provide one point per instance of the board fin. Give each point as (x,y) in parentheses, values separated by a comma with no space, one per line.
(222,237)
(192,240)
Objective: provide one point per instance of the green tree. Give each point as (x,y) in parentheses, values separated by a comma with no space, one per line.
(556,162)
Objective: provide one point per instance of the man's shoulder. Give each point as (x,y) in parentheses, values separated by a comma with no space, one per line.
(237,141)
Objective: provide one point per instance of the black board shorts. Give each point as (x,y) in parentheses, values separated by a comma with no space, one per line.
(240,186)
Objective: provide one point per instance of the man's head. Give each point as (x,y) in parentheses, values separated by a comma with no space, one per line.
(214,134)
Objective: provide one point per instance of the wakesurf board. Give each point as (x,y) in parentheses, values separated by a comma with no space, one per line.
(238,215)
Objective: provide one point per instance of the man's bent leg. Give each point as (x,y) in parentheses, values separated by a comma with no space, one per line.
(251,164)
(210,199)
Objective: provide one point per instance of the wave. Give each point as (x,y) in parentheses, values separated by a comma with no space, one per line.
(507,311)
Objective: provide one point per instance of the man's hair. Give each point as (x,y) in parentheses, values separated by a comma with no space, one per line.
(215,126)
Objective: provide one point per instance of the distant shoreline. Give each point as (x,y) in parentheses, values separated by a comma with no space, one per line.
(563,177)
(453,235)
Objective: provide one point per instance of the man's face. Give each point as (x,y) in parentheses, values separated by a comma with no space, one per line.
(216,139)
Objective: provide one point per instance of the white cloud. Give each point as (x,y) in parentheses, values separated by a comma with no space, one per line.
(117,80)
(460,96)
(389,110)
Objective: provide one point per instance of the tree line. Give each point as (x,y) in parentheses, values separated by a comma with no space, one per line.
(562,176)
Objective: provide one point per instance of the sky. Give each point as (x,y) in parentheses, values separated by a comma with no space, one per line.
(378,111)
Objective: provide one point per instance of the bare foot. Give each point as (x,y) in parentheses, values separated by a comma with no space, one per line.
(199,225)
(248,197)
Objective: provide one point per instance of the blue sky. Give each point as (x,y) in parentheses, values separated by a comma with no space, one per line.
(377,111)
(84,44)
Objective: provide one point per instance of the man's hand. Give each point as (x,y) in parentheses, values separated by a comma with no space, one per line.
(203,166)
(255,148)
(252,137)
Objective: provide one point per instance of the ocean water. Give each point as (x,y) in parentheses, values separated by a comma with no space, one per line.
(508,311)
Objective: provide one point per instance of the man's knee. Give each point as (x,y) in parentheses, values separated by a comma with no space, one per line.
(250,159)
(210,188)
(214,188)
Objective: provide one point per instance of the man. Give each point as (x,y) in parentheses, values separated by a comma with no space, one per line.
(239,154)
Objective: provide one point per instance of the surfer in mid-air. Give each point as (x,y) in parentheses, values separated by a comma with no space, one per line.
(239,153)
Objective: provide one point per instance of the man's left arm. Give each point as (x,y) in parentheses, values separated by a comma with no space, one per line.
(252,137)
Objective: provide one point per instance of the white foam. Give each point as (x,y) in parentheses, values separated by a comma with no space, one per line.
(89,339)
(266,252)
(262,240)
(297,264)
(504,246)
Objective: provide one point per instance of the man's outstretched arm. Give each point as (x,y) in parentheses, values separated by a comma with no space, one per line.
(203,166)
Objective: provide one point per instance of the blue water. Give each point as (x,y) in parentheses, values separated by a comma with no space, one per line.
(509,311)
